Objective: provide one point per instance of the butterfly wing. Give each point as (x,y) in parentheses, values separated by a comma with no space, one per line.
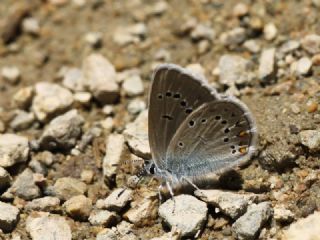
(216,136)
(175,93)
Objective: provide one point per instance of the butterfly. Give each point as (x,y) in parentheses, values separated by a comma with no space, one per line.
(193,130)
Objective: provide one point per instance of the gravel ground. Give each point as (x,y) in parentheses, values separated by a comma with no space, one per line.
(74,81)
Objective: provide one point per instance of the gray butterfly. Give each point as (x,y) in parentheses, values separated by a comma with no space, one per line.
(194,131)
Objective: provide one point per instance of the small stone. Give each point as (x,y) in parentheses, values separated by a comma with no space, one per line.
(23,97)
(22,120)
(133,86)
(87,176)
(114,148)
(270,31)
(9,216)
(249,224)
(79,3)
(104,218)
(158,8)
(45,157)
(130,34)
(202,31)
(58,2)
(50,100)
(82,98)
(310,139)
(289,46)
(136,106)
(107,124)
(196,68)
(38,167)
(78,207)
(252,45)
(312,106)
(136,134)
(267,64)
(233,37)
(46,204)
(62,132)
(24,186)
(68,187)
(231,204)
(311,43)
(5,179)
(45,226)
(142,212)
(203,46)
(304,66)
(187,214)
(121,76)
(282,215)
(13,149)
(117,200)
(2,127)
(73,79)
(88,137)
(316,3)
(31,25)
(108,110)
(234,70)
(240,10)
(295,108)
(306,228)
(100,78)
(11,74)
(94,39)
(107,234)
(162,55)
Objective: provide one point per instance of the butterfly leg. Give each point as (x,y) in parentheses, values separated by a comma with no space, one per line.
(159,192)
(172,195)
(192,184)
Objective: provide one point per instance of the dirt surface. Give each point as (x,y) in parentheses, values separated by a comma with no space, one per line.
(281,166)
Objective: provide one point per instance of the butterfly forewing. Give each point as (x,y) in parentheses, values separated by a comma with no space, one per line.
(175,94)
(218,135)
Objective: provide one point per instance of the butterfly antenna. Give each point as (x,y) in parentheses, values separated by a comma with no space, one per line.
(140,176)
(126,162)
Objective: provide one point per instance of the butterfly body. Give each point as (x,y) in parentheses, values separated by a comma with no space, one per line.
(194,131)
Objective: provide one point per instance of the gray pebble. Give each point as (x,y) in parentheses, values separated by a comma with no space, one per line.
(310,139)
(247,227)
(311,43)
(13,149)
(50,100)
(62,132)
(45,226)
(9,216)
(231,204)
(187,214)
(68,187)
(136,134)
(267,64)
(100,78)
(104,218)
(22,120)
(46,204)
(24,186)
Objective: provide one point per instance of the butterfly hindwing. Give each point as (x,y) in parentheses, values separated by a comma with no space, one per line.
(218,135)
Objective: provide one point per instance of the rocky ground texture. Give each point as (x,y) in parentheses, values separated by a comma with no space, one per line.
(74,80)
